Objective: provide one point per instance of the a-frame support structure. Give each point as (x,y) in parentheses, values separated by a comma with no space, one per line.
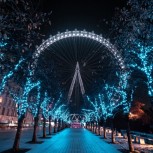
(76,76)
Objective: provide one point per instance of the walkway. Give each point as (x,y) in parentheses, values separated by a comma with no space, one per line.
(74,141)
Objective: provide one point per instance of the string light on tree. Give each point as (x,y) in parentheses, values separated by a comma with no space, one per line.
(9,75)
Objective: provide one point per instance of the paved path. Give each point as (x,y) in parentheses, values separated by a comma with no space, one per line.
(7,138)
(74,141)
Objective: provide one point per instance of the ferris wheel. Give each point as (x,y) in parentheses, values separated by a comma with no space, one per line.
(81,34)
(85,51)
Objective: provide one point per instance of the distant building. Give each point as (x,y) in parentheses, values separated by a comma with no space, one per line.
(8,110)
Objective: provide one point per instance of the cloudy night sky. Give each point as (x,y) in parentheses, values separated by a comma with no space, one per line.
(79,14)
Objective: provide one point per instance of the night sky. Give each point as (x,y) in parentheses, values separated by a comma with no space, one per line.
(79,14)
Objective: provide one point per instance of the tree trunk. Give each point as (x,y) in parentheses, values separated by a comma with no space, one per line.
(34,138)
(98,128)
(131,147)
(44,127)
(92,127)
(105,130)
(55,126)
(113,132)
(116,133)
(95,128)
(50,127)
(18,134)
(62,127)
(58,128)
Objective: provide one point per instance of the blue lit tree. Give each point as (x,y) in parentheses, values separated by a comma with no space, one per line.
(122,91)
(110,99)
(52,114)
(34,108)
(94,113)
(141,59)
(133,24)
(21,30)
(100,107)
(126,100)
(95,106)
(133,33)
(52,107)
(65,117)
(23,25)
(58,115)
(104,105)
(56,112)
(49,110)
(107,103)
(117,100)
(89,116)
(45,111)
(21,99)
(86,114)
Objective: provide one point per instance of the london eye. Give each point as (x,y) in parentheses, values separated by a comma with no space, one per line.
(96,58)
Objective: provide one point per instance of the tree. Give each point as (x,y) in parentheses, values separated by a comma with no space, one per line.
(21,99)
(23,26)
(48,110)
(103,105)
(34,107)
(134,35)
(94,114)
(21,30)
(45,109)
(65,118)
(133,24)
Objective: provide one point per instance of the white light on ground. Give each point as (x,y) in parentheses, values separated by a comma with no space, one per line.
(1,99)
(52,124)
